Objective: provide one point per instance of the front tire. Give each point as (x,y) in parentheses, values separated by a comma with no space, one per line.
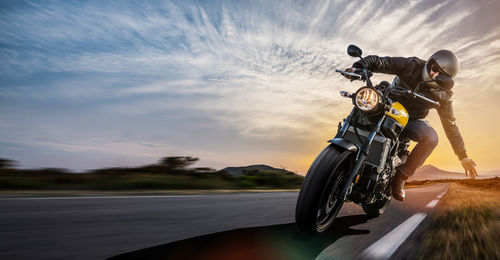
(318,205)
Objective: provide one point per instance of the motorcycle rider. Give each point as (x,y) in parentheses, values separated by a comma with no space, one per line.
(409,72)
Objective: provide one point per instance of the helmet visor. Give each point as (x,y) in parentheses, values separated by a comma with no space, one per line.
(433,66)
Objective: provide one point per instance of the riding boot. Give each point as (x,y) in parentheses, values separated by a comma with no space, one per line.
(398,185)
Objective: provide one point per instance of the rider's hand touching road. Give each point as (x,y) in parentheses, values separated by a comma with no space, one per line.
(468,165)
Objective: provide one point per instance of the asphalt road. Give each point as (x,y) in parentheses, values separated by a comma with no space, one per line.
(237,226)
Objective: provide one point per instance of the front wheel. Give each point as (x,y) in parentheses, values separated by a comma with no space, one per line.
(318,203)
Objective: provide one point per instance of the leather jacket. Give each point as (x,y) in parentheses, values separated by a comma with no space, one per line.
(408,73)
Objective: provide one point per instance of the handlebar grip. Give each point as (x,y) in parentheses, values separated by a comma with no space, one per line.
(351,74)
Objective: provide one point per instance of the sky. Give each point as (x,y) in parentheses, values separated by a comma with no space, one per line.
(91,84)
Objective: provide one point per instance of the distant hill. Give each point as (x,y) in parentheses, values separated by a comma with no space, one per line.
(237,171)
(430,172)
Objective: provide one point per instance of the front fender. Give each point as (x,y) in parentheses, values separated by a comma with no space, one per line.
(341,142)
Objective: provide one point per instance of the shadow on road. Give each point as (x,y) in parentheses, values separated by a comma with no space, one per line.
(270,242)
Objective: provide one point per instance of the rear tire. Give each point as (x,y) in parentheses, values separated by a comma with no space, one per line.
(318,205)
(377,208)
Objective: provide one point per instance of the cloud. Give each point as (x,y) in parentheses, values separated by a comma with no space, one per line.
(264,70)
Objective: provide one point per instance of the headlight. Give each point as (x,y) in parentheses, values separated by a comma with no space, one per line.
(367,99)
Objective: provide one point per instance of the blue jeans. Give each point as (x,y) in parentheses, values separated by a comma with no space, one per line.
(426,137)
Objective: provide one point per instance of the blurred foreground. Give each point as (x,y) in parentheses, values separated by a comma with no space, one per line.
(467,224)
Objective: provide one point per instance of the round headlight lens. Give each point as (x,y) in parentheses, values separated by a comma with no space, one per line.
(367,99)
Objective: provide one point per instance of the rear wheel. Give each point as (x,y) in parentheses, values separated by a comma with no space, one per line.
(318,203)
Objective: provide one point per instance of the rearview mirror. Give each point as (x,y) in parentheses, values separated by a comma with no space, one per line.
(354,51)
(444,81)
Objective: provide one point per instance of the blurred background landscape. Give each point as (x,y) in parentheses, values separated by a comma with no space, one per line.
(170,173)
(178,173)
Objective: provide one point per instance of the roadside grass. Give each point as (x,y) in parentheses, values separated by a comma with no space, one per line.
(143,179)
(417,184)
(467,223)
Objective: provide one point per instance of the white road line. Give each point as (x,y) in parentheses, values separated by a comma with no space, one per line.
(432,204)
(442,194)
(388,244)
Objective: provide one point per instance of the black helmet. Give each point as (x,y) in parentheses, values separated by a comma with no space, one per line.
(447,63)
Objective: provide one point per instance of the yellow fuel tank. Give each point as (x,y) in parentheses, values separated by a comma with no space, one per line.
(398,113)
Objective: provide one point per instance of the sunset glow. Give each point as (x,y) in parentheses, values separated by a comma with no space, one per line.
(98,84)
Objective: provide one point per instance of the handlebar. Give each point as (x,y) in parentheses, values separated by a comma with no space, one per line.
(351,74)
(360,74)
(416,95)
(428,100)
(404,91)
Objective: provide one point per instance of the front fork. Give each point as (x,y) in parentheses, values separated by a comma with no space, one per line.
(362,155)
(347,123)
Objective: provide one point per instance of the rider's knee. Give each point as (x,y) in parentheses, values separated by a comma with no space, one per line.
(432,139)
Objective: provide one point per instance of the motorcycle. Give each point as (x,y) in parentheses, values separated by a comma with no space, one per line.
(360,161)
